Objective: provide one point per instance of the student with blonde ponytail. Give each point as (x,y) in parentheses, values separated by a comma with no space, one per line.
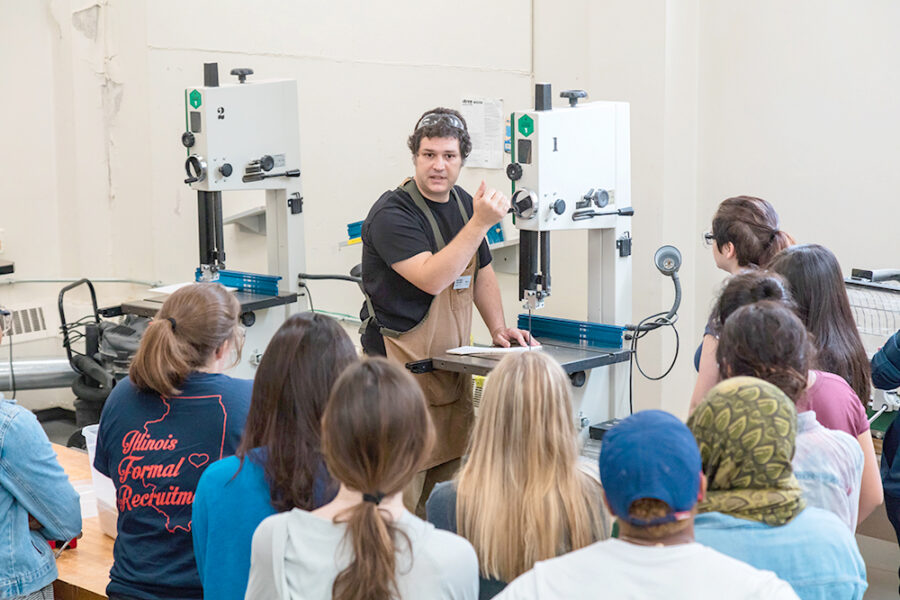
(173,415)
(520,497)
(364,545)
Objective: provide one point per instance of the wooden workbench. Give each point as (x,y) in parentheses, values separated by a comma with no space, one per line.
(83,571)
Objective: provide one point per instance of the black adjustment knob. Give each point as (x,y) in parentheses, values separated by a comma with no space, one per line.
(248,319)
(514,171)
(226,170)
(266,163)
(523,204)
(573,96)
(187,139)
(242,74)
(559,207)
(195,169)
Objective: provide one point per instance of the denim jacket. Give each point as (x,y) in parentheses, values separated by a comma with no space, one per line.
(31,483)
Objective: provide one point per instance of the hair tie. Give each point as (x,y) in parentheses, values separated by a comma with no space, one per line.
(172,321)
(375,498)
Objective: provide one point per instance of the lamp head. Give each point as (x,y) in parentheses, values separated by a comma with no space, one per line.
(668,260)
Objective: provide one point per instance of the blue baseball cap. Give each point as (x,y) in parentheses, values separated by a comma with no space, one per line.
(650,454)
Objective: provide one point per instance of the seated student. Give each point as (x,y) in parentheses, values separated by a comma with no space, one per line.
(650,469)
(754,509)
(886,376)
(376,433)
(767,340)
(173,415)
(817,286)
(833,400)
(37,503)
(745,235)
(279,464)
(523,447)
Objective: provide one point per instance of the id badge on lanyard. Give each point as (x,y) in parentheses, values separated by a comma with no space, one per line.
(462,283)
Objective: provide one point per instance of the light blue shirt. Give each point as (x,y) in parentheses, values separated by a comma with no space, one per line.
(31,483)
(228,506)
(814,552)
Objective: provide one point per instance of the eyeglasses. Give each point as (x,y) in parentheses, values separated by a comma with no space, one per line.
(708,239)
(436,118)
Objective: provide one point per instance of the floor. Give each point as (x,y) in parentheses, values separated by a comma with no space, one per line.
(882,559)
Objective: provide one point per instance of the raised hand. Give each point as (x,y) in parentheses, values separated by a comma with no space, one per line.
(490,206)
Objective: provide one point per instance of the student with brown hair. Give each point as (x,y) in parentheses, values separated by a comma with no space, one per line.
(768,341)
(364,544)
(173,415)
(745,234)
(814,277)
(279,464)
(524,446)
(827,395)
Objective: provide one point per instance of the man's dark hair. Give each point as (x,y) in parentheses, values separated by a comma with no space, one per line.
(441,128)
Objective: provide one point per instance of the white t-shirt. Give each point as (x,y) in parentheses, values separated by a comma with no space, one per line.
(621,570)
(296,555)
(829,465)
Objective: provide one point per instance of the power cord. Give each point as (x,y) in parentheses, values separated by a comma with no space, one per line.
(308,295)
(661,320)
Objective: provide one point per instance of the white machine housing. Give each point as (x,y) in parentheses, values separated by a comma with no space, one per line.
(237,124)
(574,151)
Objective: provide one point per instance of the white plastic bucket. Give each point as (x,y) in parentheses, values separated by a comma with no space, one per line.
(104,489)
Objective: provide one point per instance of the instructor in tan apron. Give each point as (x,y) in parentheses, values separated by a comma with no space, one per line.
(425,263)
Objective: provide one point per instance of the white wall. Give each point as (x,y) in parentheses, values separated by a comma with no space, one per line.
(798,105)
(792,102)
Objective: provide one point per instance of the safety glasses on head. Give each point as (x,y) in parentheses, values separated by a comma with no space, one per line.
(437,118)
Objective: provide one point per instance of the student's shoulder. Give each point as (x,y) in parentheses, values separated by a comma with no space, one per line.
(444,493)
(222,471)
(833,383)
(442,546)
(747,580)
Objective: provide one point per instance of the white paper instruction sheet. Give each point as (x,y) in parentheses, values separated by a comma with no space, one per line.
(484,118)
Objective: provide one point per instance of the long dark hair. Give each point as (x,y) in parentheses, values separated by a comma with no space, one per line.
(303,360)
(749,287)
(768,341)
(751,225)
(814,276)
(376,435)
(189,328)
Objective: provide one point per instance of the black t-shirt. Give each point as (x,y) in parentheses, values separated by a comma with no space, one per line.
(395,230)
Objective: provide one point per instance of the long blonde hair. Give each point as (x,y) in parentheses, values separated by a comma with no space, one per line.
(520,495)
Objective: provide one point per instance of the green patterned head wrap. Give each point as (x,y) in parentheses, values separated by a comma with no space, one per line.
(745,428)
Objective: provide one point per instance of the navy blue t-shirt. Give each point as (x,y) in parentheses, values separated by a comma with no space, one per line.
(155,449)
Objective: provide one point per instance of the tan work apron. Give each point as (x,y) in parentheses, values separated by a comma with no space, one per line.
(447,324)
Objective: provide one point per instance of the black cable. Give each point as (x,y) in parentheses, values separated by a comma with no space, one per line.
(308,295)
(335,277)
(661,321)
